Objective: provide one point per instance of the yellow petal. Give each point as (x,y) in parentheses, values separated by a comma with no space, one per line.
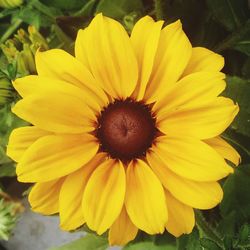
(81,47)
(43,197)
(60,65)
(191,158)
(109,56)
(173,53)
(181,218)
(202,121)
(70,199)
(224,149)
(38,85)
(201,195)
(54,156)
(56,112)
(104,196)
(145,199)
(145,38)
(192,90)
(123,230)
(20,140)
(203,59)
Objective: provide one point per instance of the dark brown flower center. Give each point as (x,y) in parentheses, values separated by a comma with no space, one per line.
(126,129)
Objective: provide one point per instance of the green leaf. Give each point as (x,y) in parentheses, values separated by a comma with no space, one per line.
(119,8)
(149,245)
(65,4)
(236,195)
(239,90)
(244,45)
(7,169)
(190,241)
(88,242)
(244,233)
(230,13)
(208,244)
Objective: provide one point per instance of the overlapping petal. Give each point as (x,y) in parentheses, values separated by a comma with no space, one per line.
(123,230)
(21,139)
(201,195)
(191,91)
(145,38)
(191,158)
(145,199)
(172,56)
(70,199)
(108,54)
(181,218)
(56,112)
(43,197)
(54,156)
(104,195)
(200,121)
(203,59)
(43,85)
(224,149)
(57,64)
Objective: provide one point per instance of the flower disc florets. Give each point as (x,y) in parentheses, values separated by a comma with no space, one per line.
(126,129)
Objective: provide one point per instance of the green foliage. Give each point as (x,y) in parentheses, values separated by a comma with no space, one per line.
(149,245)
(229,13)
(239,90)
(189,242)
(88,242)
(236,199)
(119,8)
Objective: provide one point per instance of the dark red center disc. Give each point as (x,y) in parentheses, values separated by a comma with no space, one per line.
(126,129)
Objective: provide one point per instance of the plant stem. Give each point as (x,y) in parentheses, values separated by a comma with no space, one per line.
(10,30)
(207,229)
(235,37)
(159,9)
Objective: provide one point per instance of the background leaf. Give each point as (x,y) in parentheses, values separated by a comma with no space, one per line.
(88,242)
(236,201)
(118,8)
(230,13)
(239,90)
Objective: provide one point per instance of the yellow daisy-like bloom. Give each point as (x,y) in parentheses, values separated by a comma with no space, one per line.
(125,134)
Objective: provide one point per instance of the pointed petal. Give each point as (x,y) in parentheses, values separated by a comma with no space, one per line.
(145,199)
(201,195)
(21,139)
(203,59)
(145,38)
(33,85)
(58,64)
(173,53)
(224,149)
(43,197)
(192,90)
(104,196)
(70,199)
(181,218)
(202,121)
(123,230)
(191,158)
(56,112)
(109,56)
(54,156)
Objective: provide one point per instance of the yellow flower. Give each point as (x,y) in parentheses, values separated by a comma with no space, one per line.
(125,134)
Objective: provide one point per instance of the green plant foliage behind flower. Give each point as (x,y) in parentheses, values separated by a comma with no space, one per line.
(9,212)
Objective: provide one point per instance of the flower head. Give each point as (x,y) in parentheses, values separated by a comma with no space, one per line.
(125,134)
